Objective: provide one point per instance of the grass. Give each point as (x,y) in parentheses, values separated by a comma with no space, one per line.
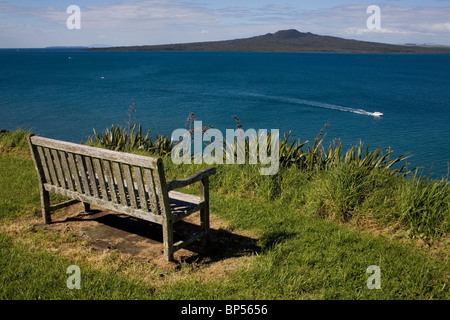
(317,231)
(15,139)
(39,275)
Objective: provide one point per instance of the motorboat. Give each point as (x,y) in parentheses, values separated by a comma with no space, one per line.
(377,114)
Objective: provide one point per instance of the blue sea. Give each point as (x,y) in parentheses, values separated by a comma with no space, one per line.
(64,94)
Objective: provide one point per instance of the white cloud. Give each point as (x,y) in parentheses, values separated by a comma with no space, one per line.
(166,21)
(398,24)
(437,27)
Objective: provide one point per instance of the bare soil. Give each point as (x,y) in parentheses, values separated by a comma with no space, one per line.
(132,246)
(107,230)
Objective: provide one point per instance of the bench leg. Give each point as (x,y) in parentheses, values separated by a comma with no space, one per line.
(87,207)
(45,206)
(168,240)
(204,221)
(204,212)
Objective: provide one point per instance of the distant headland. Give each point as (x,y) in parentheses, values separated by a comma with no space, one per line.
(287,41)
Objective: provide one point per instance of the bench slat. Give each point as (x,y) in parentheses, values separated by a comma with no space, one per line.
(101,179)
(119,181)
(66,170)
(51,167)
(141,189)
(110,181)
(44,164)
(59,171)
(152,196)
(130,185)
(75,174)
(83,175)
(92,177)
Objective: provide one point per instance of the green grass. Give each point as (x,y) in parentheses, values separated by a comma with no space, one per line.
(307,258)
(301,258)
(16,138)
(19,191)
(303,224)
(38,275)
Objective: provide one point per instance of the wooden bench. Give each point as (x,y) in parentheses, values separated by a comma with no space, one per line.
(127,183)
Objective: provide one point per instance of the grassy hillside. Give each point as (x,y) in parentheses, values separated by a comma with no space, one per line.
(315,230)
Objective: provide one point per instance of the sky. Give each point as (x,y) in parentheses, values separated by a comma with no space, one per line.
(43,23)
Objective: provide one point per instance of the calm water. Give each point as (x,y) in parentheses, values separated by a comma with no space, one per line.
(64,94)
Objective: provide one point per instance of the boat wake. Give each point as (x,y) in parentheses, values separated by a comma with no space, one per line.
(318,104)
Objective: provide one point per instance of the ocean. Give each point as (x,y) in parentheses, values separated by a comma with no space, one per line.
(65,94)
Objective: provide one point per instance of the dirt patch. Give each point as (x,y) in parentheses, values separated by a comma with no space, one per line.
(132,246)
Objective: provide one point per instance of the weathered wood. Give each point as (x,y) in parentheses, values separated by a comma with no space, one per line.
(127,183)
(132,159)
(202,174)
(45,205)
(59,170)
(104,204)
(161,187)
(151,191)
(204,211)
(67,172)
(130,185)
(185,197)
(91,176)
(43,164)
(75,174)
(182,205)
(140,186)
(110,181)
(40,163)
(120,185)
(161,190)
(83,175)
(63,204)
(101,179)
(87,206)
(184,243)
(51,167)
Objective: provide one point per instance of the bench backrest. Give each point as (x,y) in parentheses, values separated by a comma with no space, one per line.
(125,179)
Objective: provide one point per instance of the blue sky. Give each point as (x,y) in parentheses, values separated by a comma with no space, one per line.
(41,23)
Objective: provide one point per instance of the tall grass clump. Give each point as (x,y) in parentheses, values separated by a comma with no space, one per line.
(130,137)
(423,206)
(118,138)
(339,193)
(415,204)
(14,139)
(315,157)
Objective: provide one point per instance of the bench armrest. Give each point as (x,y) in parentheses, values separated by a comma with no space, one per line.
(200,175)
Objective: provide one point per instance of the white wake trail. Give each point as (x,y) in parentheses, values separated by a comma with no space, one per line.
(318,104)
